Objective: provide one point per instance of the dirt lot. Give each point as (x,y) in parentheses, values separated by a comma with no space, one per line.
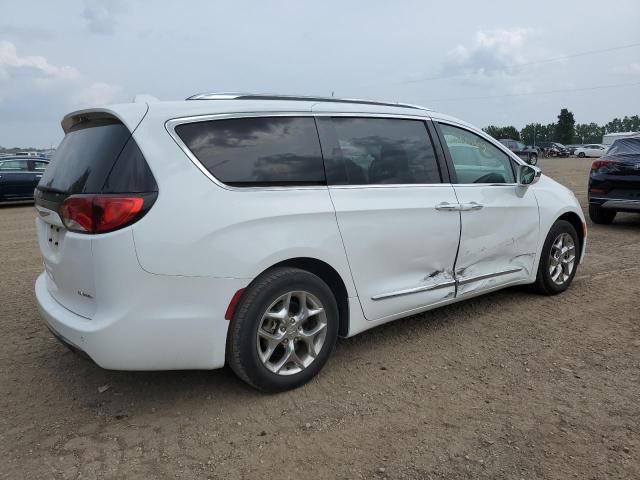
(511,385)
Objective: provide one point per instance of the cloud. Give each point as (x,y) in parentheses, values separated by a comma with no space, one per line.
(102,16)
(42,69)
(492,53)
(26,78)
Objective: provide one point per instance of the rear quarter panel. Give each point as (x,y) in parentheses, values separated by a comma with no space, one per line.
(198,228)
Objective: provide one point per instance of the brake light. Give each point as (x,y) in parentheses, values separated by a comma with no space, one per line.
(100,213)
(603,166)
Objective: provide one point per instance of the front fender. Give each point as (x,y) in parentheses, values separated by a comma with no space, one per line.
(555,200)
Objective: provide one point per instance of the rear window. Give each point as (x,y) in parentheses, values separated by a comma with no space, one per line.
(98,156)
(261,151)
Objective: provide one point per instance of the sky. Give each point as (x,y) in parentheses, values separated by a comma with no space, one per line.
(487,62)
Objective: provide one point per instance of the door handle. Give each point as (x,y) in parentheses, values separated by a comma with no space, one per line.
(448,207)
(467,207)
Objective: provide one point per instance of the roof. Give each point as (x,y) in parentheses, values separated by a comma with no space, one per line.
(23,157)
(302,98)
(216,104)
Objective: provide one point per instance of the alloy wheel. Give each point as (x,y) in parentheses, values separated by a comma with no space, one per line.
(291,333)
(562,258)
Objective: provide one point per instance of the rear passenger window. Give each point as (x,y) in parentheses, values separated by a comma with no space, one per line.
(381,151)
(261,151)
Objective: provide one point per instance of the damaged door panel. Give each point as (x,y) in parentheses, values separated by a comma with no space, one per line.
(498,242)
(499,218)
(400,248)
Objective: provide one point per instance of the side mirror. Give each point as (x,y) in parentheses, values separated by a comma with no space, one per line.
(528,175)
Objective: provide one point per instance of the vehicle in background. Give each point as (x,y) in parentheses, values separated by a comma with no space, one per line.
(554,149)
(614,181)
(27,154)
(19,176)
(609,138)
(572,148)
(591,150)
(259,228)
(528,154)
(47,153)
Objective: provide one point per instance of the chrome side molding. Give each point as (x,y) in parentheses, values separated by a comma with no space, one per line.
(475,278)
(450,283)
(409,291)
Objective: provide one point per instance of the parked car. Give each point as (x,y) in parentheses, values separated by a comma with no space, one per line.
(19,176)
(614,181)
(554,149)
(257,229)
(528,154)
(591,150)
(572,148)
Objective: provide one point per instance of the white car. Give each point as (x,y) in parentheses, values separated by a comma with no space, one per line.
(591,150)
(254,230)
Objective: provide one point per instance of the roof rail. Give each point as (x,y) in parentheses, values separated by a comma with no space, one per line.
(304,98)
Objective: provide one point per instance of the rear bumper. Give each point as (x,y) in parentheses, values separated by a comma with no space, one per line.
(621,205)
(176,323)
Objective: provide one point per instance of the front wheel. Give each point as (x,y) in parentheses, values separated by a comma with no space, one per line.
(559,259)
(581,155)
(533,159)
(283,330)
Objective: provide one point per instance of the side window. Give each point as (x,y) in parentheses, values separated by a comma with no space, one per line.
(474,159)
(13,166)
(260,151)
(382,151)
(39,166)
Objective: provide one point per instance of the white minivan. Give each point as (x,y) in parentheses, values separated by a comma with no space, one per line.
(253,230)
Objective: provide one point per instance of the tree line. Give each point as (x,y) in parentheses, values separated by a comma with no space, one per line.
(565,130)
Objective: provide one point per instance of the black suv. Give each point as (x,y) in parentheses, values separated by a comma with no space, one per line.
(19,176)
(528,154)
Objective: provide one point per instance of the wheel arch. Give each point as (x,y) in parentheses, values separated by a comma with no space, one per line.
(576,221)
(331,277)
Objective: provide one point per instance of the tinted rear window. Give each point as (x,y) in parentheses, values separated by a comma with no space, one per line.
(98,156)
(380,151)
(257,151)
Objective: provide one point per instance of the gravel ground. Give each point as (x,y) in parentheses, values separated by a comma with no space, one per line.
(510,385)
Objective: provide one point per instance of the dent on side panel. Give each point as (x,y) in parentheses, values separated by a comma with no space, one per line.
(487,254)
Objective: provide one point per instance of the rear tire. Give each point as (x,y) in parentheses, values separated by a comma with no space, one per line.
(558,260)
(271,343)
(581,155)
(600,215)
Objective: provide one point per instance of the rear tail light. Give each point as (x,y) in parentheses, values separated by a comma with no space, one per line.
(603,166)
(98,213)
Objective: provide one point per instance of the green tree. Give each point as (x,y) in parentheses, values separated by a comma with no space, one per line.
(502,132)
(631,124)
(588,133)
(492,130)
(530,134)
(564,131)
